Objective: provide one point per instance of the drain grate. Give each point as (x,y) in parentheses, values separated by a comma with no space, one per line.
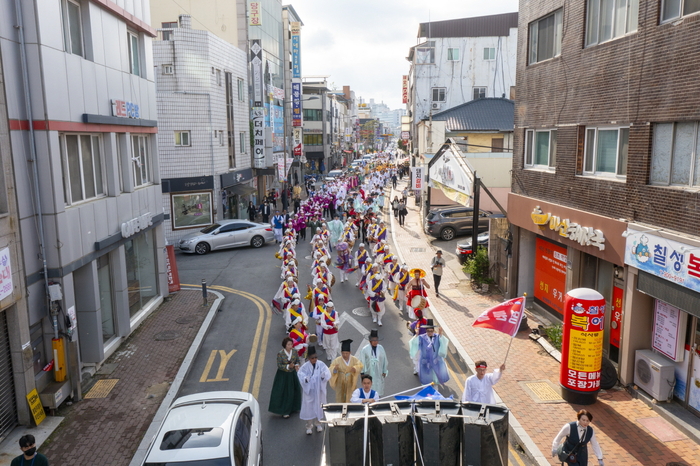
(101,388)
(361,311)
(542,391)
(167,335)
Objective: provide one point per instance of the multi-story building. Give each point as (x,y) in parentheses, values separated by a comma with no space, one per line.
(317,124)
(82,109)
(293,104)
(203,136)
(459,60)
(605,173)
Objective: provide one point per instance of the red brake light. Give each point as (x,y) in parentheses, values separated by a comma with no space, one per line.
(268,229)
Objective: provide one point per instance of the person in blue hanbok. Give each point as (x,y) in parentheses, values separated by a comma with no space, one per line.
(431,350)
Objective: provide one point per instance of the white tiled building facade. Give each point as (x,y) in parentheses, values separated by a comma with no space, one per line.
(203,134)
(93,110)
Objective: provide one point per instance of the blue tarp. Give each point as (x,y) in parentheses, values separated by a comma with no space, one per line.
(428,393)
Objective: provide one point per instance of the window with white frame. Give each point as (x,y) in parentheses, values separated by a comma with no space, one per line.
(541,148)
(218,77)
(439,94)
(545,37)
(141,160)
(452,54)
(82,164)
(673,9)
(168,69)
(605,151)
(675,154)
(489,53)
(72,27)
(608,19)
(425,53)
(479,93)
(242,143)
(134,55)
(241,90)
(182,138)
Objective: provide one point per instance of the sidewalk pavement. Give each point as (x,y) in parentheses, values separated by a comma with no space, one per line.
(107,431)
(619,419)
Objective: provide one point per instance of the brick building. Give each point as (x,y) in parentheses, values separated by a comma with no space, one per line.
(606,172)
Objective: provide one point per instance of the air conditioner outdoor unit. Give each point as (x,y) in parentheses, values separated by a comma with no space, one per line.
(654,374)
(436,106)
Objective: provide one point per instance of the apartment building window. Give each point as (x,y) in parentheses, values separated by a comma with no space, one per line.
(141,158)
(489,53)
(168,69)
(218,77)
(230,130)
(452,54)
(497,144)
(479,93)
(72,27)
(313,139)
(425,53)
(241,90)
(540,148)
(608,19)
(439,94)
(134,57)
(605,151)
(182,138)
(82,163)
(313,114)
(168,35)
(241,143)
(675,155)
(545,37)
(672,9)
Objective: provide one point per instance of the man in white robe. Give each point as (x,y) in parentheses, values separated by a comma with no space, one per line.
(313,377)
(479,387)
(374,362)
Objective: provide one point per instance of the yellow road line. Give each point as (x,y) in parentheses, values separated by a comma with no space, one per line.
(207,367)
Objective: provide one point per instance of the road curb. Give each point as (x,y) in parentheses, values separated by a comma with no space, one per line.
(514,427)
(140,454)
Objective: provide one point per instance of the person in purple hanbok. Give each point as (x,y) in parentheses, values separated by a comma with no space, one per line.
(431,350)
(344,260)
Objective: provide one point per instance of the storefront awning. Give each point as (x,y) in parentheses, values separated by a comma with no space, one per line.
(241,189)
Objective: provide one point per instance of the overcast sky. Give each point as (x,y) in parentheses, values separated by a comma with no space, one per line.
(364,43)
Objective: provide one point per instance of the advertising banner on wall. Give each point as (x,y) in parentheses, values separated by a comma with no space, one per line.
(450,173)
(405,89)
(258,117)
(191,210)
(256,65)
(550,274)
(282,169)
(255,13)
(296,102)
(417,178)
(171,269)
(5,274)
(297,142)
(670,324)
(296,50)
(616,316)
(670,260)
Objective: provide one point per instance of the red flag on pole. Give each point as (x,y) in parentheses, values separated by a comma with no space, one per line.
(505,317)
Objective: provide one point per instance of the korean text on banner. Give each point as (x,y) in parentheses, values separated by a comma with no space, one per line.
(505,317)
(6,287)
(417,182)
(296,52)
(296,103)
(550,274)
(258,115)
(297,142)
(405,89)
(171,269)
(255,13)
(256,63)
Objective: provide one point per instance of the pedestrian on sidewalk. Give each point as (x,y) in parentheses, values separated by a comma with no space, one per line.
(252,211)
(374,362)
(393,180)
(29,455)
(403,211)
(313,376)
(404,195)
(285,397)
(395,206)
(479,387)
(576,436)
(436,265)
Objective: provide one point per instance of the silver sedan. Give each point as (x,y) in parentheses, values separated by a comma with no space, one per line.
(227,234)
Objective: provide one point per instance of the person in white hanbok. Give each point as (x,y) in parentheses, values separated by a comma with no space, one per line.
(313,377)
(479,387)
(374,362)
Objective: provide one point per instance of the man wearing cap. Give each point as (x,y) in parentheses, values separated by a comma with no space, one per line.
(345,370)
(365,394)
(374,361)
(294,311)
(330,331)
(479,387)
(299,338)
(402,279)
(278,225)
(436,265)
(430,351)
(361,258)
(317,314)
(392,269)
(375,291)
(313,377)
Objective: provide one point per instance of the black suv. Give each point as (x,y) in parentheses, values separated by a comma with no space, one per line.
(448,222)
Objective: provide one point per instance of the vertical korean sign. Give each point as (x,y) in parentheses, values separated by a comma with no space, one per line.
(296,103)
(297,147)
(616,317)
(255,13)
(258,117)
(550,274)
(582,345)
(417,178)
(6,287)
(405,89)
(296,51)
(256,68)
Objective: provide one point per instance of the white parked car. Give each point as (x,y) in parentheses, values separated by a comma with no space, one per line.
(209,429)
(227,234)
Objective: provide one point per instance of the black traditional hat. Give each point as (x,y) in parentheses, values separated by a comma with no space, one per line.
(311,351)
(374,333)
(345,345)
(429,324)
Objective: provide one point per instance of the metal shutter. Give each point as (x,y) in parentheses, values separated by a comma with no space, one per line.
(8,402)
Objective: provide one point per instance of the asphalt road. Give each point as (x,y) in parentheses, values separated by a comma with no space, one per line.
(239,352)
